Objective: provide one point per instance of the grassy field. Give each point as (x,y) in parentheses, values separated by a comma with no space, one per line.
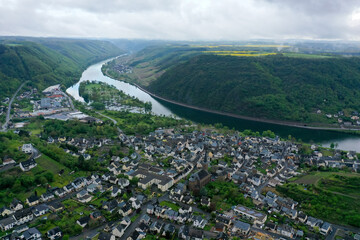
(330,206)
(170,205)
(46,163)
(22,192)
(35,127)
(304,55)
(67,219)
(347,185)
(314,177)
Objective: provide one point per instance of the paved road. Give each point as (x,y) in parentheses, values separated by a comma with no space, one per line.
(70,101)
(260,188)
(4,127)
(8,167)
(111,119)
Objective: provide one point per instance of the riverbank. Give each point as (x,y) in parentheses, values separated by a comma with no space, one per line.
(277,122)
(354,131)
(346,140)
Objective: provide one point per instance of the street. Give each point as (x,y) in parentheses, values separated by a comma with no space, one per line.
(4,126)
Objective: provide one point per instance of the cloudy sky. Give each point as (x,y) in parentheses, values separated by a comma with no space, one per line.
(183,19)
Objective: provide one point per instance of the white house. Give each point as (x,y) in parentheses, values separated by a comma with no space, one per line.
(27,148)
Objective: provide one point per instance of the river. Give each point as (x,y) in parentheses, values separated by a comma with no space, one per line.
(159,107)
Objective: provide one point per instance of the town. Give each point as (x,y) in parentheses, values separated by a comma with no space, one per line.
(153,197)
(183,182)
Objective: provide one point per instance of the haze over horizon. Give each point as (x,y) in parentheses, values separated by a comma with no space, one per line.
(183,19)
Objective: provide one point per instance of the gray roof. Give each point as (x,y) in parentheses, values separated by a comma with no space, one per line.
(242,225)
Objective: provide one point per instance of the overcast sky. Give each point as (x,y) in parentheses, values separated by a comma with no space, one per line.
(182,19)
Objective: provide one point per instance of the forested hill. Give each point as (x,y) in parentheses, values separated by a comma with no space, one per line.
(272,87)
(48,61)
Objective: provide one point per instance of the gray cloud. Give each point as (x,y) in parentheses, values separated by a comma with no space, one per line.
(183,19)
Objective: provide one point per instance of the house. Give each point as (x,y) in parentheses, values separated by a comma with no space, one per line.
(136,204)
(16,205)
(69,188)
(125,210)
(156,227)
(8,161)
(79,183)
(142,227)
(286,230)
(56,207)
(81,193)
(113,180)
(169,230)
(270,226)
(115,192)
(219,227)
(27,148)
(106,236)
(126,221)
(199,180)
(150,209)
(32,200)
(7,223)
(48,196)
(118,231)
(123,182)
(185,209)
(31,234)
(225,220)
(92,188)
(136,235)
(95,215)
(241,227)
(148,178)
(325,228)
(5,211)
(28,165)
(110,206)
(145,219)
(252,215)
(199,222)
(302,217)
(196,234)
(60,192)
(85,199)
(40,210)
(184,232)
(205,201)
(313,222)
(54,233)
(83,221)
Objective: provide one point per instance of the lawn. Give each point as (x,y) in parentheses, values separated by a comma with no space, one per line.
(314,177)
(170,205)
(224,195)
(322,204)
(46,163)
(97,202)
(21,185)
(349,186)
(67,219)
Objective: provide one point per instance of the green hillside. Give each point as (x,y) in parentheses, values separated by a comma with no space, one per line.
(47,61)
(271,87)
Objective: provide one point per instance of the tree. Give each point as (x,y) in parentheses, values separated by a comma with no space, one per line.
(203,191)
(98,105)
(148,106)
